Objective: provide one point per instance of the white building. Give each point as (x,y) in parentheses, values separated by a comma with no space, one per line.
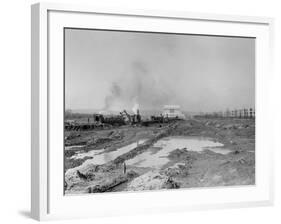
(173,111)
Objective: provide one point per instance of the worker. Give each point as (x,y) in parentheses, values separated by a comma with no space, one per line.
(138,116)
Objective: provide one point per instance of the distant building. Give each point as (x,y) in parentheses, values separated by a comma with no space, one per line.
(173,111)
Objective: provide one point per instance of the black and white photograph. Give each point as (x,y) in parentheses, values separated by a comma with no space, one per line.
(157,111)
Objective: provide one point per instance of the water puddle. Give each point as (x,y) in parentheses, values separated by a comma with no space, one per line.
(219,150)
(169,144)
(101,157)
(73,146)
(91,153)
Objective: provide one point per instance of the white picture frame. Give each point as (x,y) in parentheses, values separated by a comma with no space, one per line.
(47,199)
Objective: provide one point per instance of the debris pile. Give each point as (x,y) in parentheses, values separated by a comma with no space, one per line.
(102,121)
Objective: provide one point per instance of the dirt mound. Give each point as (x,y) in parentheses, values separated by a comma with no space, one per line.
(152,180)
(107,186)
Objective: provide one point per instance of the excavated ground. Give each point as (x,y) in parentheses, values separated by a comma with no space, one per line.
(184,167)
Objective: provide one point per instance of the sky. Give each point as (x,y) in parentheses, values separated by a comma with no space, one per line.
(114,70)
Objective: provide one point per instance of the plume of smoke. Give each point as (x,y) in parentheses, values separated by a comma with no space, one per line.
(136,106)
(139,89)
(115,93)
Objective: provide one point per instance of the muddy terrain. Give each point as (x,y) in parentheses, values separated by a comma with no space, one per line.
(179,154)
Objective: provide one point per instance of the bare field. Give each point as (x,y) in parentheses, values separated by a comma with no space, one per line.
(179,154)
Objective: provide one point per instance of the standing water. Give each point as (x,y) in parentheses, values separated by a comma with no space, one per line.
(101,157)
(169,144)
